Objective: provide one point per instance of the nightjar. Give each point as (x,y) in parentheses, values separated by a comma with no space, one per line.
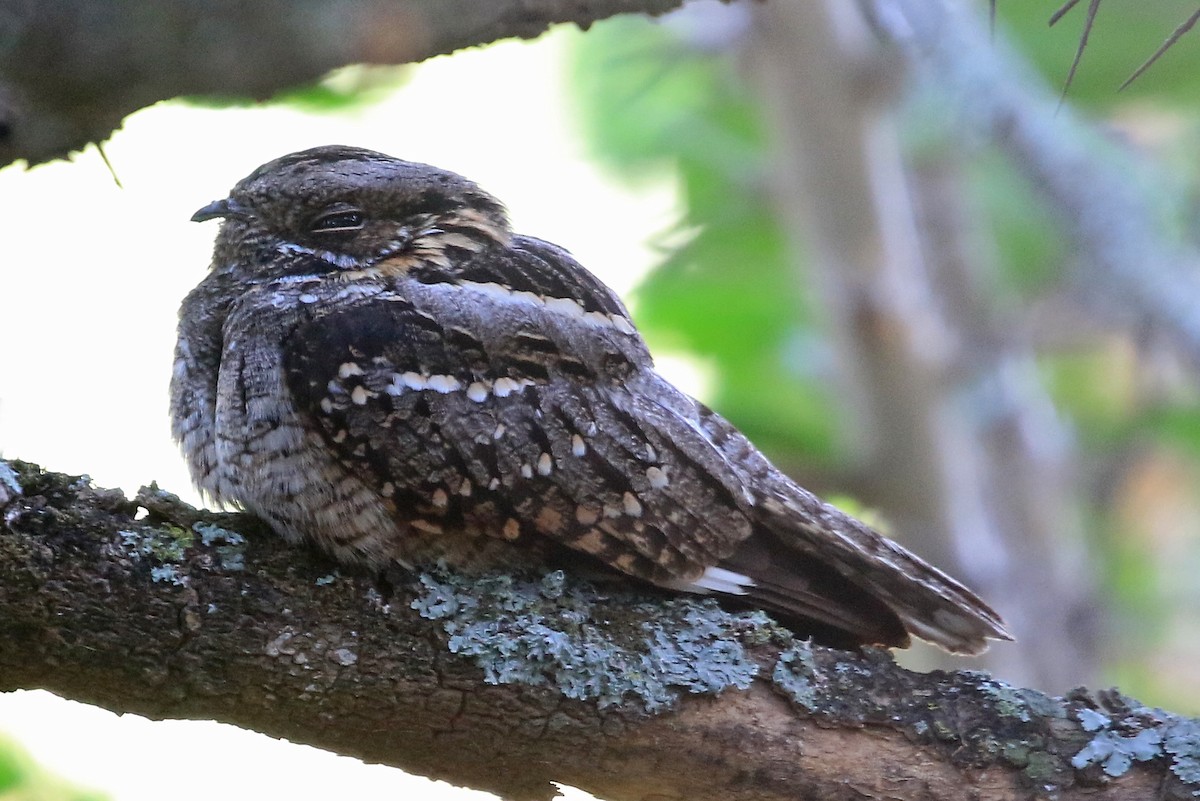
(377,364)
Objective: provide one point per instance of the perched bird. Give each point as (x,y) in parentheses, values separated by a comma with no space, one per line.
(376,363)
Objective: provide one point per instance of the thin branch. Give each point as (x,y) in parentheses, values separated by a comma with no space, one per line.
(1175,36)
(1088,22)
(1062,11)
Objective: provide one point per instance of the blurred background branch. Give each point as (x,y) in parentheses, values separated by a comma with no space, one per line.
(1125,252)
(960,446)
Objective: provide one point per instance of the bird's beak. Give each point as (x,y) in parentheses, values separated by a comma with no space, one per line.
(226,207)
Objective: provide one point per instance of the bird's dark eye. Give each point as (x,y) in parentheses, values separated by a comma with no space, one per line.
(338,221)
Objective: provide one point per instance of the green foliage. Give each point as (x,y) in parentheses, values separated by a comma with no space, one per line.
(1031,248)
(1177,426)
(346,89)
(22,780)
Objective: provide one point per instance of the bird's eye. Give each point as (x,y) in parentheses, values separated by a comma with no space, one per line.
(338,221)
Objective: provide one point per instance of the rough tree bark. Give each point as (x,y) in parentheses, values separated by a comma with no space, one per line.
(507,684)
(71,70)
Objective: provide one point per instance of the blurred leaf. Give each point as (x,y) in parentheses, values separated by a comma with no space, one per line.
(345,89)
(1095,386)
(1031,247)
(643,97)
(12,768)
(1177,426)
(21,779)
(1133,578)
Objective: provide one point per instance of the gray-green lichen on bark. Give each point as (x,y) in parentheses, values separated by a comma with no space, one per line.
(510,682)
(558,633)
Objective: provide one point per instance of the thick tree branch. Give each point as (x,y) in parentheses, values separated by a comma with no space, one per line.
(510,683)
(71,70)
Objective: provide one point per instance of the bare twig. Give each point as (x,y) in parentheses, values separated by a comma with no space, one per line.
(1062,11)
(1175,36)
(1088,22)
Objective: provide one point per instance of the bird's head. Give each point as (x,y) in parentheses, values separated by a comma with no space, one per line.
(344,210)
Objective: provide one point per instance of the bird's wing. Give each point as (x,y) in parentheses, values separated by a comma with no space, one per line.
(497,403)
(494,405)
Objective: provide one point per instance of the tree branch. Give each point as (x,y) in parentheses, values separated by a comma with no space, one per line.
(71,70)
(509,683)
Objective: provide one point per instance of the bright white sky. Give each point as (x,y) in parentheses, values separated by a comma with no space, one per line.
(88,296)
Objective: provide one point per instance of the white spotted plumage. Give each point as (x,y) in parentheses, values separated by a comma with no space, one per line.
(379,365)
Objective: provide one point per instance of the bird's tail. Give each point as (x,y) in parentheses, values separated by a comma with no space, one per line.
(879,590)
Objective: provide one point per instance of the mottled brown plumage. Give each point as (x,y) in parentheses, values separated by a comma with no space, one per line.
(377,364)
